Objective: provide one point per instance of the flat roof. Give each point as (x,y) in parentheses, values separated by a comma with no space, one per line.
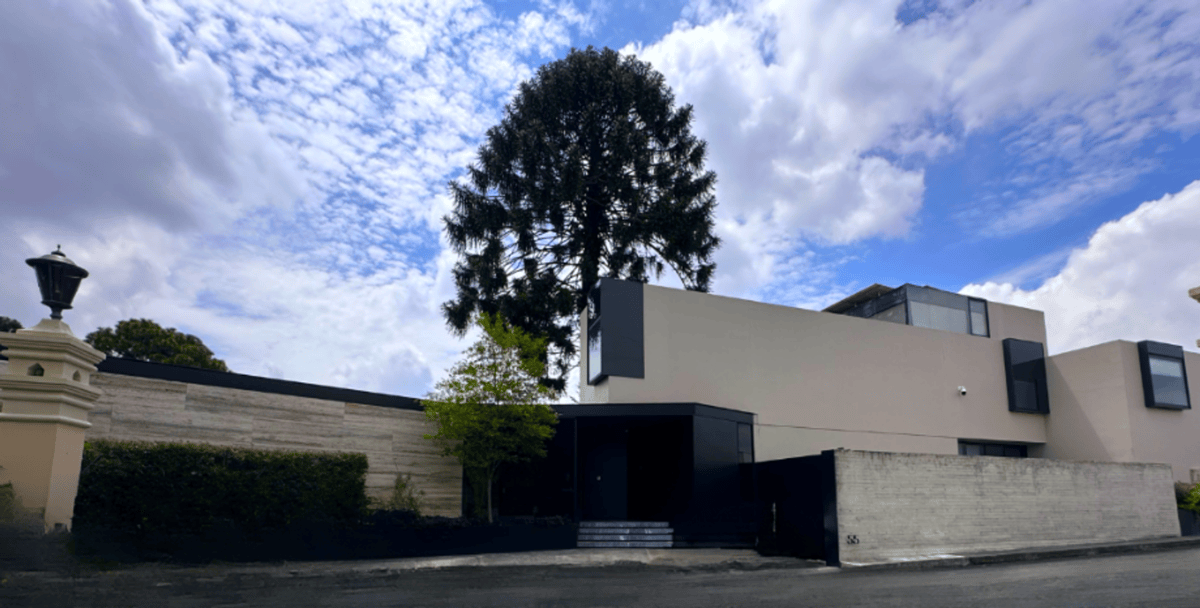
(604,410)
(869,293)
(208,377)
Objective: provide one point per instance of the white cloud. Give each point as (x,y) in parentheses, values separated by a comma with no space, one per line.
(1129,282)
(820,115)
(269,176)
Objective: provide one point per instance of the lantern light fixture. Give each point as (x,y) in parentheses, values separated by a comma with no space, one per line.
(58,279)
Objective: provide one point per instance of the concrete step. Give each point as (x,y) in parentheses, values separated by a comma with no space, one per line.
(624,524)
(624,544)
(598,530)
(625,537)
(625,534)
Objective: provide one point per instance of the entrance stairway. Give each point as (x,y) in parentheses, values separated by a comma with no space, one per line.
(626,534)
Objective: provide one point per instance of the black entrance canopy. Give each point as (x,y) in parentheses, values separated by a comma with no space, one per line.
(689,464)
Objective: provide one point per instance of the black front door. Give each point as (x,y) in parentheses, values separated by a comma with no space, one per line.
(605,475)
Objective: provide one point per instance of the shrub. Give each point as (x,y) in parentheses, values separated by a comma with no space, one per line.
(404,497)
(8,503)
(1187,496)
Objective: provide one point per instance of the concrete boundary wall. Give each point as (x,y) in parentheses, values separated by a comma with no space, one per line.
(898,507)
(150,409)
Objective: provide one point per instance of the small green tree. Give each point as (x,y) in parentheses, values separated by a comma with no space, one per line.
(404,497)
(491,410)
(1187,496)
(145,340)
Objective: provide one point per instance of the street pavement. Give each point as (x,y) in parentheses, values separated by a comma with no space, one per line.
(1151,573)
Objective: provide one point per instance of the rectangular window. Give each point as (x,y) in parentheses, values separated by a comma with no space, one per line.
(745,443)
(895,314)
(1025,376)
(1164,377)
(979,317)
(938,317)
(594,358)
(1003,450)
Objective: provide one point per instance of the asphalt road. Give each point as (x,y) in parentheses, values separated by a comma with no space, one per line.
(1160,579)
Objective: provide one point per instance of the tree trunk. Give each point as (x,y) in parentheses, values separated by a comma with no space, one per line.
(491,474)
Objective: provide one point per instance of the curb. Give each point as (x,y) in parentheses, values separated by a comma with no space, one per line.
(1029,555)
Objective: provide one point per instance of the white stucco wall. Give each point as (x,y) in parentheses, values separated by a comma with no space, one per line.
(820,381)
(1098,411)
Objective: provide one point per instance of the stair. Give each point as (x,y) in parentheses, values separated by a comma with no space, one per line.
(625,534)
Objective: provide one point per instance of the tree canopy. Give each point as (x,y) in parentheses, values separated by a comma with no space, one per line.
(591,173)
(10,325)
(145,340)
(491,410)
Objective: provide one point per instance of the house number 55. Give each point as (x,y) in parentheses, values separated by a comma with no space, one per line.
(851,539)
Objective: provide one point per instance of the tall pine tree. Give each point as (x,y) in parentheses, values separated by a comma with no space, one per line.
(592,173)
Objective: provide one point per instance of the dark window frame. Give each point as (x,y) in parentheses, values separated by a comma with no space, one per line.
(1025,362)
(1161,350)
(987,323)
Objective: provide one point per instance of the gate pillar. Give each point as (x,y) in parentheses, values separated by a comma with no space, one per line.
(45,395)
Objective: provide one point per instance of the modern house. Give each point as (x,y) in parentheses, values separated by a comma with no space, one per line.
(687,396)
(896,423)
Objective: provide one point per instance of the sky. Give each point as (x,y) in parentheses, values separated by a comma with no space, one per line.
(271,175)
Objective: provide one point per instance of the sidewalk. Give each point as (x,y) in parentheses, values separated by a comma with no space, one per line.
(1034,554)
(693,560)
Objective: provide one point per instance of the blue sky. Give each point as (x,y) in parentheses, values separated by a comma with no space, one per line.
(271,175)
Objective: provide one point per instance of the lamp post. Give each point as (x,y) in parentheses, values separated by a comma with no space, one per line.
(46,393)
(58,279)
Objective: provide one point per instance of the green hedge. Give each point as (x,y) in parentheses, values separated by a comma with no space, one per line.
(155,488)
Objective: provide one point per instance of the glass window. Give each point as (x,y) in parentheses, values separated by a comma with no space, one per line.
(594,353)
(1026,395)
(966,448)
(895,314)
(1162,366)
(1166,376)
(745,443)
(979,320)
(938,317)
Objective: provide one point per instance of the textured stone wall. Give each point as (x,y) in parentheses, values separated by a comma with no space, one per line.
(145,409)
(908,506)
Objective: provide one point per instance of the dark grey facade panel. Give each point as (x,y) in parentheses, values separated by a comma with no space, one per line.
(1164,390)
(1025,376)
(616,329)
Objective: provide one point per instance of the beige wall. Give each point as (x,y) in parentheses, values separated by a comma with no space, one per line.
(820,381)
(909,506)
(1098,411)
(145,409)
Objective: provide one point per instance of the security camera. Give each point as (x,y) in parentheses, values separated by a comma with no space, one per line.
(962,390)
